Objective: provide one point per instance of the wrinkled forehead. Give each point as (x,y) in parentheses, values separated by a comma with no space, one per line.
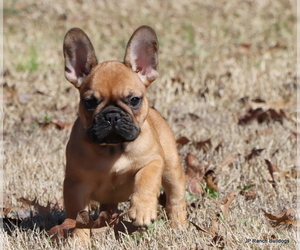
(113,78)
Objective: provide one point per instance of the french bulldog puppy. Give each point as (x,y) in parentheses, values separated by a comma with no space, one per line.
(120,149)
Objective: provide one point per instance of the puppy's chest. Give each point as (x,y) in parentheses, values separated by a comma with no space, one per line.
(117,184)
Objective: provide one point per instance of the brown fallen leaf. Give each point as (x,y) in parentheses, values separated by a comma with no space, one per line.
(210,178)
(193,116)
(200,228)
(253,153)
(218,241)
(263,111)
(62,125)
(59,125)
(282,217)
(227,161)
(61,231)
(252,114)
(84,220)
(14,212)
(197,173)
(212,230)
(41,209)
(249,194)
(224,206)
(244,47)
(183,140)
(193,167)
(57,205)
(218,147)
(271,169)
(204,145)
(194,187)
(84,226)
(27,209)
(277,106)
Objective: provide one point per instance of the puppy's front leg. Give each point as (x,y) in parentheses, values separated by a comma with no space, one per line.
(76,197)
(143,204)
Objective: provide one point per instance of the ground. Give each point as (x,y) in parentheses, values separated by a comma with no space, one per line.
(227,87)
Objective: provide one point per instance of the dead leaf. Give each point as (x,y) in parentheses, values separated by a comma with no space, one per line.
(178,78)
(218,241)
(193,116)
(61,231)
(194,187)
(271,169)
(253,153)
(204,145)
(249,194)
(124,227)
(210,178)
(224,206)
(244,47)
(41,209)
(277,106)
(59,125)
(57,205)
(183,140)
(62,125)
(252,114)
(200,228)
(263,111)
(193,167)
(84,220)
(195,174)
(282,217)
(84,225)
(218,147)
(227,161)
(212,231)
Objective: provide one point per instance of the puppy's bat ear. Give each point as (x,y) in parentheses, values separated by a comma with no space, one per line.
(142,54)
(79,56)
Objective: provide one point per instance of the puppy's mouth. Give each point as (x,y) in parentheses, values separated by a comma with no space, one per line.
(113,126)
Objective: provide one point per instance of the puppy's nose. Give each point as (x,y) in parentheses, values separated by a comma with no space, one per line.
(112,117)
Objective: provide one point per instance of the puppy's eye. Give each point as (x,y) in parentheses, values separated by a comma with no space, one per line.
(90,103)
(135,101)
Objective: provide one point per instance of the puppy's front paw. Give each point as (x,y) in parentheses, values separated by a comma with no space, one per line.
(143,210)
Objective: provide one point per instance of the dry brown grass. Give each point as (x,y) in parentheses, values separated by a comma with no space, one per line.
(215,57)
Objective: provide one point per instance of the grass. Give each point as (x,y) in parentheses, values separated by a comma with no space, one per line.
(215,57)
